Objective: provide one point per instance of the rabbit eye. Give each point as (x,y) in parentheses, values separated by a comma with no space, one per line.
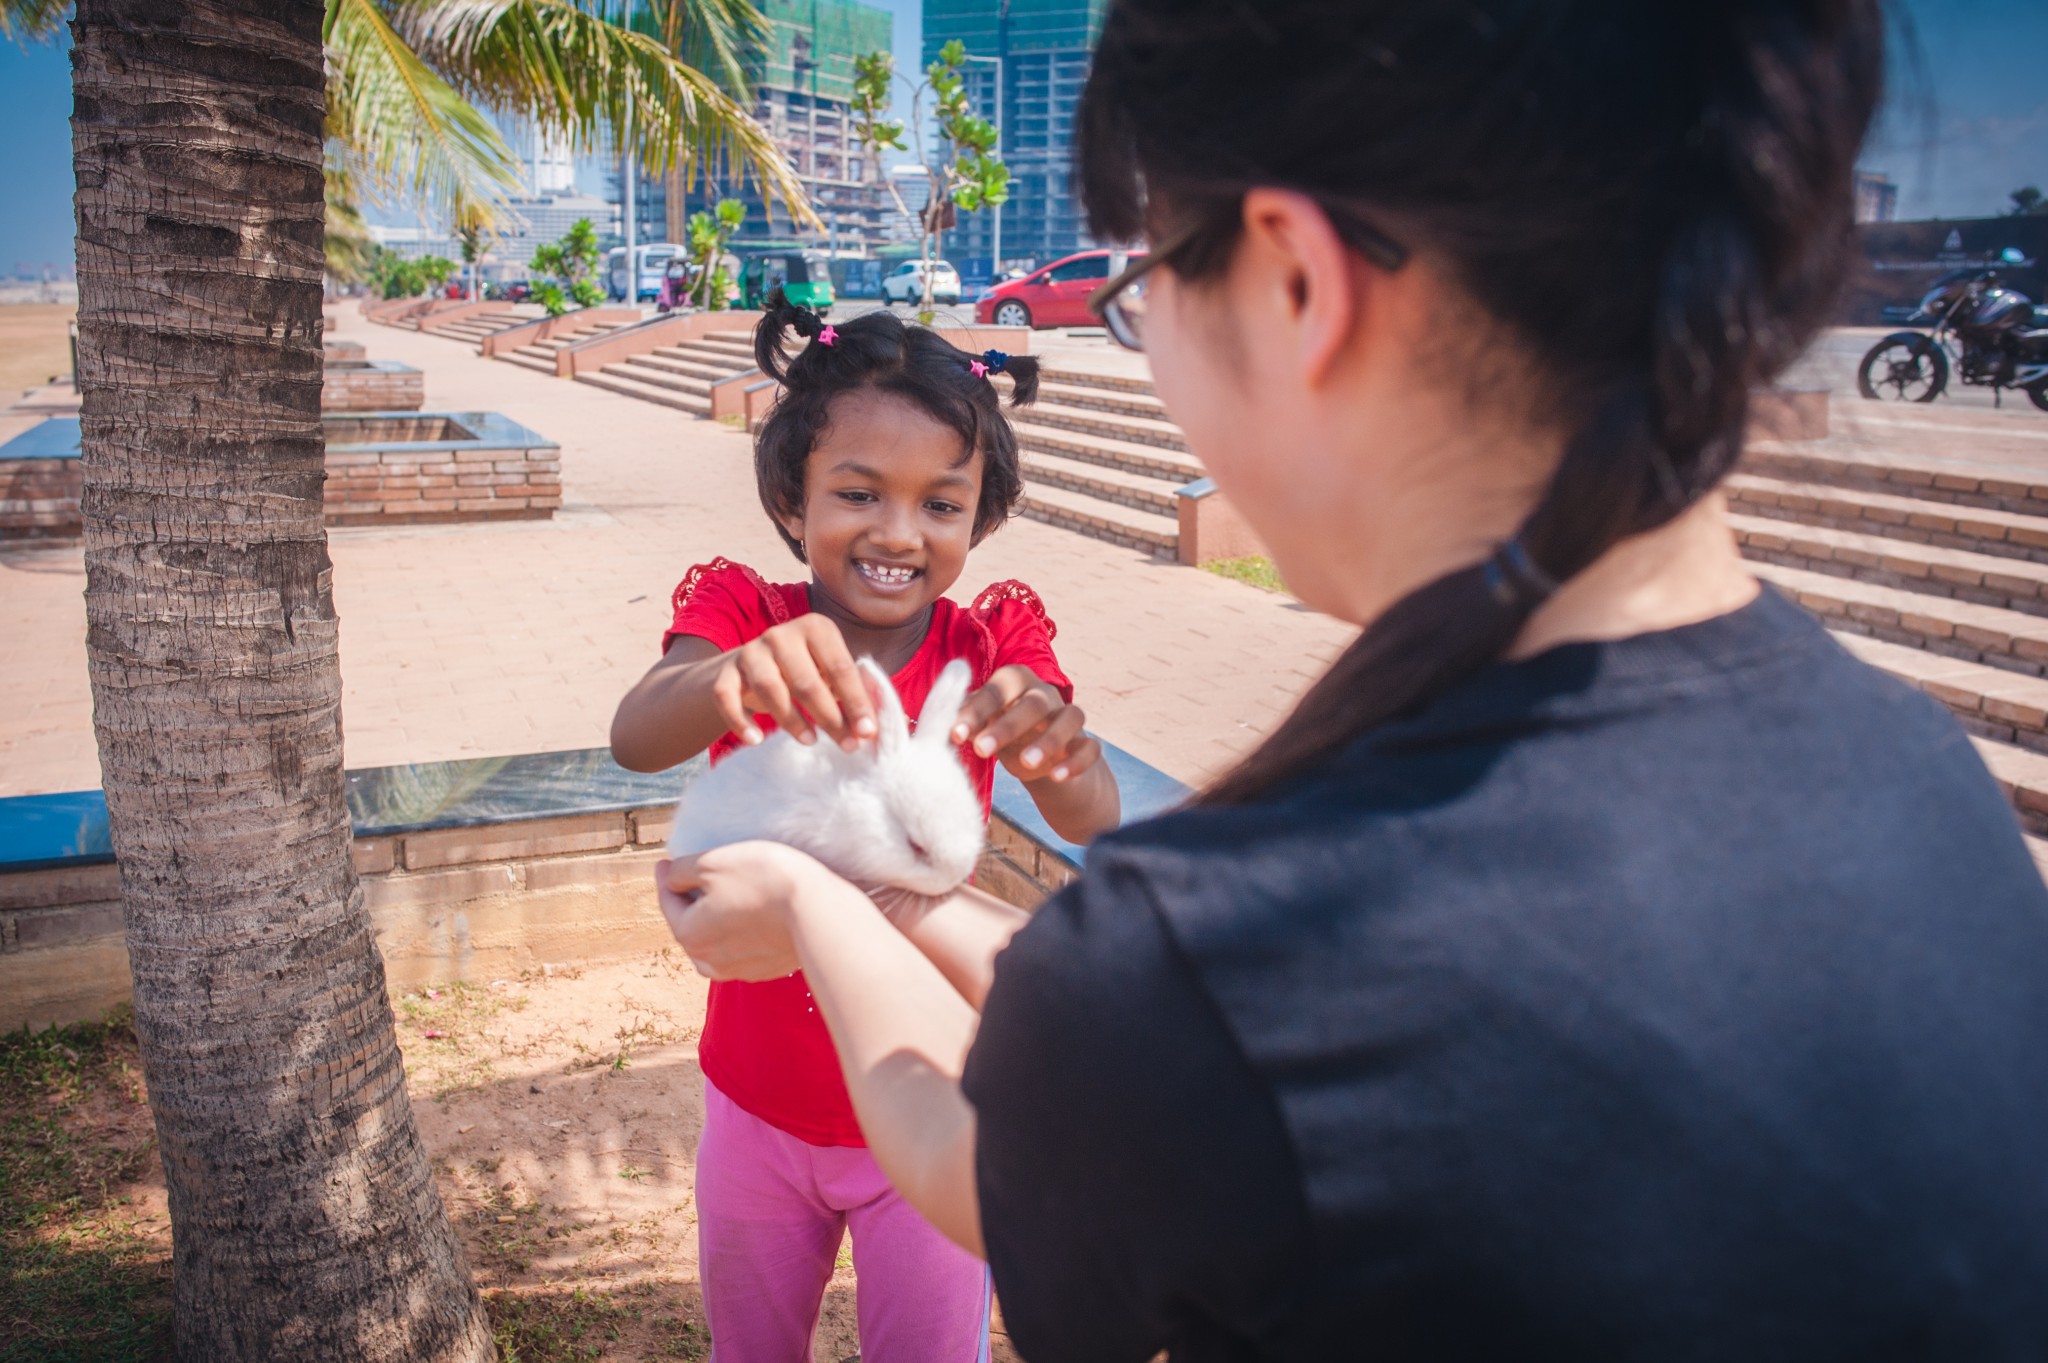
(917,850)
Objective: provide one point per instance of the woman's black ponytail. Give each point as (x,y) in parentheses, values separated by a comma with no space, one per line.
(1654,201)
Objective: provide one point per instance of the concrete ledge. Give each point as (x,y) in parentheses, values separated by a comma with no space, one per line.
(729,395)
(480,901)
(758,399)
(359,385)
(1210,527)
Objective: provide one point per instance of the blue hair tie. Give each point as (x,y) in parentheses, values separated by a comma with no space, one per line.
(994,360)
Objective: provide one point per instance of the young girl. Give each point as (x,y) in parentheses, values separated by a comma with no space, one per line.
(887,459)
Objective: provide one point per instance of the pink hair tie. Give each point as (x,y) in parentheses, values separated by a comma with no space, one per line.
(978,369)
(829,335)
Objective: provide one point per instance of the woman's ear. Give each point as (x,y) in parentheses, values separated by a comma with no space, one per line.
(1304,284)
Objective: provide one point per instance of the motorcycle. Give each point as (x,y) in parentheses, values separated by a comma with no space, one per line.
(1998,337)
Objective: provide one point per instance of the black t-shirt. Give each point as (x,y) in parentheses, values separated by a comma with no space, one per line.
(1678,998)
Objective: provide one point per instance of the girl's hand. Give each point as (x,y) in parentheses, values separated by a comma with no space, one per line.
(801,674)
(730,907)
(1023,721)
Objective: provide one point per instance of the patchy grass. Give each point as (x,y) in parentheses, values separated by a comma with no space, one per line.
(1255,569)
(81,1278)
(571,1327)
(448,1051)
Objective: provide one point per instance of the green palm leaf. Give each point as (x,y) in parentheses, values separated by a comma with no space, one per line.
(570,68)
(28,21)
(401,126)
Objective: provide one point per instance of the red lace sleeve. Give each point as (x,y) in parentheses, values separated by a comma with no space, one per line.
(1016,630)
(726,603)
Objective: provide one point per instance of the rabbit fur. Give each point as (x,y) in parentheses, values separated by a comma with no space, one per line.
(897,812)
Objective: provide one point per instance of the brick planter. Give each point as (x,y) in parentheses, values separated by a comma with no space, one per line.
(399,468)
(359,385)
(40,478)
(343,350)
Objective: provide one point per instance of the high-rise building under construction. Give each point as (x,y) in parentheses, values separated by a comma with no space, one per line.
(803,92)
(1043,49)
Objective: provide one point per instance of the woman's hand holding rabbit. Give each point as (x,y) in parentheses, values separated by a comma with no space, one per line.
(800,673)
(730,908)
(1025,723)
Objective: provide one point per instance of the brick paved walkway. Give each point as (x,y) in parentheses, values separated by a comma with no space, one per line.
(461,641)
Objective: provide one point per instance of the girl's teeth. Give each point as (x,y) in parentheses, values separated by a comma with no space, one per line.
(890,575)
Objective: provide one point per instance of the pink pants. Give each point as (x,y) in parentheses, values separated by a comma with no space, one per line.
(770,1212)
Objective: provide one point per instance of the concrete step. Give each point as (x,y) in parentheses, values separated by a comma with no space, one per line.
(1175,465)
(1990,701)
(647,392)
(638,370)
(539,364)
(2023,776)
(2005,534)
(1146,531)
(539,351)
(743,349)
(1083,378)
(1956,629)
(1138,491)
(685,362)
(2015,584)
(1136,430)
(1102,400)
(723,361)
(1988,484)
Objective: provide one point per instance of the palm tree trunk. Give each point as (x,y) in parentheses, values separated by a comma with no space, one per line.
(305,1221)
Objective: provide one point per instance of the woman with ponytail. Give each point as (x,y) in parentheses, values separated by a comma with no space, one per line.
(1598,963)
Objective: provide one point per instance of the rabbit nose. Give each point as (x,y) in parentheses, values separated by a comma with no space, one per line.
(917,850)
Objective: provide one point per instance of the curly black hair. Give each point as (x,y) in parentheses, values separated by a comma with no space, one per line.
(878,351)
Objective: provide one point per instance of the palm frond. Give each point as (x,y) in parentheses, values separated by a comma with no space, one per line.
(29,21)
(403,126)
(714,36)
(349,247)
(571,69)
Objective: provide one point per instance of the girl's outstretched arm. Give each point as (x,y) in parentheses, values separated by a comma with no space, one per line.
(902,1030)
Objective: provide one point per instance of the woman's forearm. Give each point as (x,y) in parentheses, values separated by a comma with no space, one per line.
(961,935)
(902,1030)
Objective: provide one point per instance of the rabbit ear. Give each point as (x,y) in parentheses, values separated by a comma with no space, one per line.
(942,705)
(893,728)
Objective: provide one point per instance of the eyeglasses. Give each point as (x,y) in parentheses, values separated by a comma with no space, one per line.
(1121,303)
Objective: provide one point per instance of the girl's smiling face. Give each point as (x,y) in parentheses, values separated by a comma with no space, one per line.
(888,512)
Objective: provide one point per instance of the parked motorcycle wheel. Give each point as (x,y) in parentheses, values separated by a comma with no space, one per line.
(1904,367)
(2039,393)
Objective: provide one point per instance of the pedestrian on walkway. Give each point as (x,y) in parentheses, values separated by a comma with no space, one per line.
(886,461)
(1598,963)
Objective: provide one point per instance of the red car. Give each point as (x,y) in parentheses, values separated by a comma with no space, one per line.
(1056,296)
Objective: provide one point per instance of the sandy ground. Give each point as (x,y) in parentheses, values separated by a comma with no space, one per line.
(561,1111)
(34,345)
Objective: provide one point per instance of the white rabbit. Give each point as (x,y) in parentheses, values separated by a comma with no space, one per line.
(896,812)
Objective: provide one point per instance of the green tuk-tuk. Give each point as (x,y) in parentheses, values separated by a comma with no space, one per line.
(804,276)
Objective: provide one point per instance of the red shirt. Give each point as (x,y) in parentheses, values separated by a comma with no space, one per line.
(764,1044)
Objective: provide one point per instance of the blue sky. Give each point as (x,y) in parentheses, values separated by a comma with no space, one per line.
(1965,125)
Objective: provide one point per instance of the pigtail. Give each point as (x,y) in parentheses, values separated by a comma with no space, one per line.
(776,315)
(1023,372)
(779,317)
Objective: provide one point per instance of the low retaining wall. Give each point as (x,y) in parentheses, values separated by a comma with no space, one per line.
(343,350)
(399,468)
(470,871)
(359,385)
(40,482)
